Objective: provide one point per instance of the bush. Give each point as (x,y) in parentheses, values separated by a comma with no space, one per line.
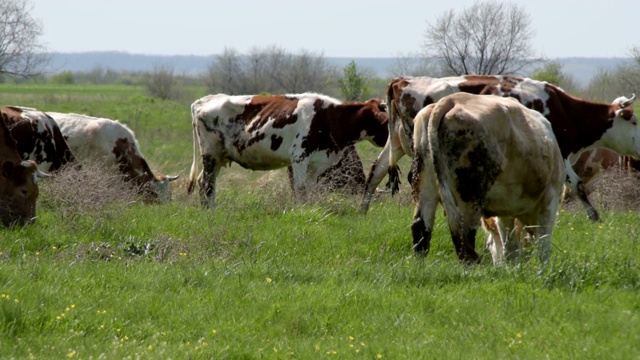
(63,78)
(88,189)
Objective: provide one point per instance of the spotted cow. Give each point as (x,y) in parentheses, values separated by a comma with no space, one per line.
(309,132)
(18,181)
(38,138)
(578,124)
(113,142)
(470,152)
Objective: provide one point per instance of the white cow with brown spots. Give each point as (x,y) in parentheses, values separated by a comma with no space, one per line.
(309,132)
(113,142)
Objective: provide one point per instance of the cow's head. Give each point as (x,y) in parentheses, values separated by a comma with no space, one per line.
(623,136)
(159,190)
(377,129)
(18,192)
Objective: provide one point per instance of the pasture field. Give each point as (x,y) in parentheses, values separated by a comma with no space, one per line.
(263,276)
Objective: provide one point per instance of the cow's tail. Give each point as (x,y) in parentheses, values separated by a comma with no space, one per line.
(196,143)
(393,170)
(440,162)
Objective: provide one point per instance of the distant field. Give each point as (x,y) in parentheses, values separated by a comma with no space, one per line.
(263,276)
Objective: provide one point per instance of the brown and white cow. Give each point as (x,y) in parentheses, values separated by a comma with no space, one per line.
(38,138)
(308,132)
(18,181)
(590,165)
(578,124)
(485,156)
(113,142)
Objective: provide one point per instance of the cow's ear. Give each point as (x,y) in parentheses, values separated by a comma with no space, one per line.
(624,113)
(7,169)
(382,107)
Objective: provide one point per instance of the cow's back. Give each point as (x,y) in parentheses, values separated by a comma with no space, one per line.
(38,137)
(92,136)
(486,142)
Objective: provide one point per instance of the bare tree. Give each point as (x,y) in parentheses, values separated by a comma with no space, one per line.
(413,64)
(488,38)
(624,79)
(268,70)
(21,53)
(307,71)
(162,83)
(226,74)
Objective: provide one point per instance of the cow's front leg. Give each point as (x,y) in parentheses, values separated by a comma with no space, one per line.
(299,168)
(577,188)
(375,176)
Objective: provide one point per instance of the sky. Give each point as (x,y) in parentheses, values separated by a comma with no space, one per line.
(347,28)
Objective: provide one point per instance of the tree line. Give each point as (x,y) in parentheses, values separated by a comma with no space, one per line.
(489,37)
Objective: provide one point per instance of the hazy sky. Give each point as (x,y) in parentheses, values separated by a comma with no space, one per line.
(372,28)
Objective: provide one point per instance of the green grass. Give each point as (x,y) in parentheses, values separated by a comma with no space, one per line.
(264,276)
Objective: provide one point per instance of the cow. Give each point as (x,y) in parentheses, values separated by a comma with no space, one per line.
(114,143)
(590,165)
(347,174)
(577,123)
(308,132)
(38,138)
(485,156)
(18,181)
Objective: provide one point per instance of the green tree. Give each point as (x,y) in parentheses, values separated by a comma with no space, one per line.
(552,73)
(65,77)
(354,85)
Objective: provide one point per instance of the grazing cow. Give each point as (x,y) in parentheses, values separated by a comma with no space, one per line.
(347,174)
(18,181)
(485,156)
(308,132)
(590,165)
(38,137)
(577,123)
(113,142)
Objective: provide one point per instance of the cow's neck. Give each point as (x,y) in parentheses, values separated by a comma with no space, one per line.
(579,123)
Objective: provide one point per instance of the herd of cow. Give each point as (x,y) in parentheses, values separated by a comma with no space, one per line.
(499,162)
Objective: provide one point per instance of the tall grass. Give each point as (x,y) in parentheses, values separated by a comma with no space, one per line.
(265,276)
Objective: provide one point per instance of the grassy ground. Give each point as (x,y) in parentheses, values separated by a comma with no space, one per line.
(263,276)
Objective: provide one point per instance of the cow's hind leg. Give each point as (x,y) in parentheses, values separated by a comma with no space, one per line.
(426,198)
(494,239)
(463,233)
(511,238)
(210,169)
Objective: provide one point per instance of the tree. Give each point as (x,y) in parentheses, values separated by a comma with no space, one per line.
(21,53)
(552,73)
(413,64)
(267,70)
(162,83)
(488,38)
(624,79)
(353,84)
(226,73)
(65,77)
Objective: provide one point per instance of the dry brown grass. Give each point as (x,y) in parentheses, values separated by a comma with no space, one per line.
(615,190)
(89,189)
